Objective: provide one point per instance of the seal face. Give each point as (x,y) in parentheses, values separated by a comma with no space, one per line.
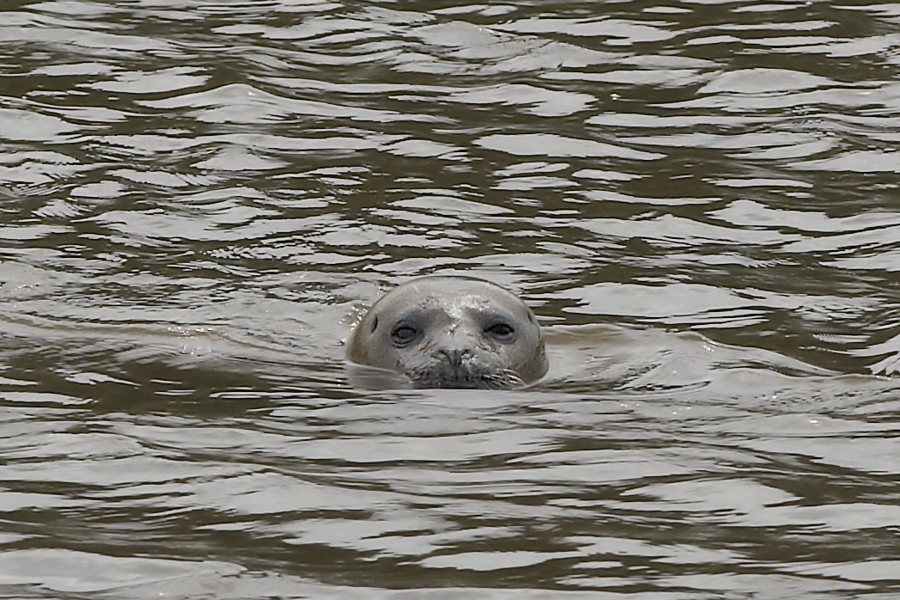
(452,332)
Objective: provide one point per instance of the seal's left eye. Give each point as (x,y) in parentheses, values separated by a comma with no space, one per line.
(403,335)
(501,330)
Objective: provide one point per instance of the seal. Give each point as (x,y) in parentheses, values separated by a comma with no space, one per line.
(452,332)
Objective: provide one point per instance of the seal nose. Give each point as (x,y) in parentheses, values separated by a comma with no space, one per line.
(454,355)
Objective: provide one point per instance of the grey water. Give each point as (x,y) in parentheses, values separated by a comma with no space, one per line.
(699,199)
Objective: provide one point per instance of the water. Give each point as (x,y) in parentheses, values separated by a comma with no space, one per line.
(700,201)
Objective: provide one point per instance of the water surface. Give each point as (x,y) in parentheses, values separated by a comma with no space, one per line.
(699,199)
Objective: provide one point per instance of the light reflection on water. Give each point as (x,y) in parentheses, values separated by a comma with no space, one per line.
(699,201)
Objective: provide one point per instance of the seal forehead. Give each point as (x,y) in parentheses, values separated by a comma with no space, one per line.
(468,312)
(458,305)
(462,291)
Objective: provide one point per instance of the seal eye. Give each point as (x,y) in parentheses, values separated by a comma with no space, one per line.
(501,331)
(403,335)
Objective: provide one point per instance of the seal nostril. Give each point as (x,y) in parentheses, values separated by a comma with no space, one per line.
(454,356)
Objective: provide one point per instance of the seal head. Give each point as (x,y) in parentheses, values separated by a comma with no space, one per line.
(452,332)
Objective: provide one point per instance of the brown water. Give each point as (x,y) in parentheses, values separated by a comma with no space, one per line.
(699,199)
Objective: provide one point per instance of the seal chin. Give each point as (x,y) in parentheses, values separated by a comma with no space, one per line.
(462,377)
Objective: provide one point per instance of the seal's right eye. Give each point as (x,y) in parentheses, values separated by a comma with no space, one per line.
(403,335)
(502,331)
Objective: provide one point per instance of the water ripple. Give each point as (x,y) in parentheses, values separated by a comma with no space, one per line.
(199,200)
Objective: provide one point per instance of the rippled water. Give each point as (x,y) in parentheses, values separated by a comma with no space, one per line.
(699,199)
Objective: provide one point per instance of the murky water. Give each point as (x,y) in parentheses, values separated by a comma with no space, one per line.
(699,199)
